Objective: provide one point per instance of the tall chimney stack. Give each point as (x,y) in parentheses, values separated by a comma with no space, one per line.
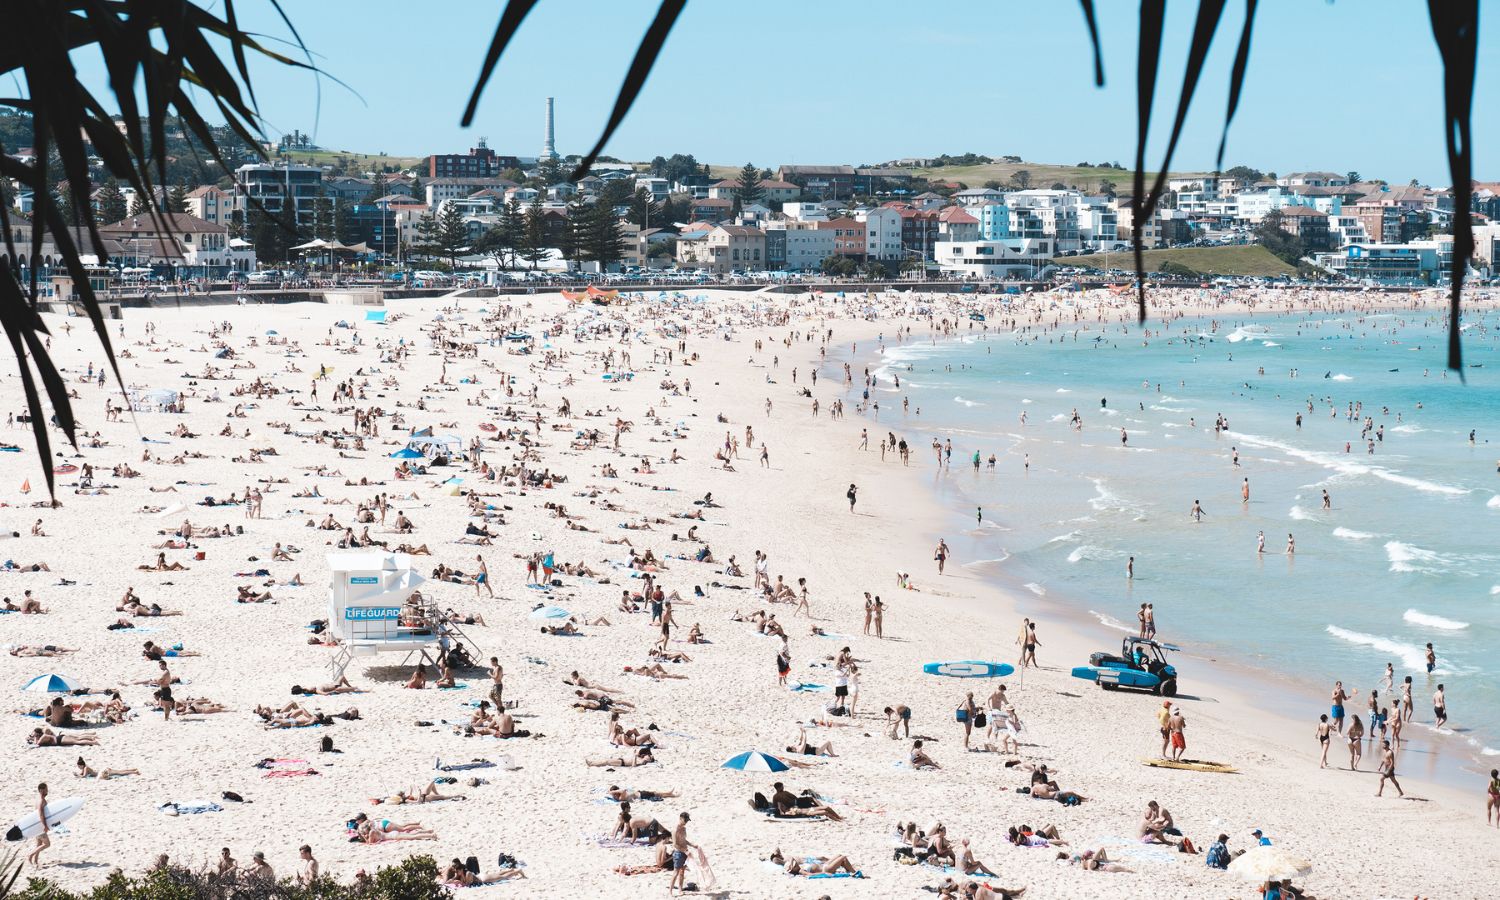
(549,144)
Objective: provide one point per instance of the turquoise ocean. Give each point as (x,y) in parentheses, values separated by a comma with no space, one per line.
(1408,553)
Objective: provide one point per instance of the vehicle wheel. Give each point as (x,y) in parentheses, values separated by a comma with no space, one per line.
(1168,688)
(1109,687)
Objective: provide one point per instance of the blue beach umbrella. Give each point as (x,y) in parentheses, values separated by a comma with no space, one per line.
(49,684)
(407,453)
(550,612)
(754,761)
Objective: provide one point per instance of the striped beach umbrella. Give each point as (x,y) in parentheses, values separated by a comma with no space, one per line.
(49,684)
(754,761)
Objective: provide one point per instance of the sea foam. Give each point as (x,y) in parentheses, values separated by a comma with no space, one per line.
(1431,621)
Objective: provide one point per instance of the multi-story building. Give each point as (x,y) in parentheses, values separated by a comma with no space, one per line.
(439,189)
(883,233)
(826,182)
(771,190)
(210,204)
(806,248)
(710,209)
(957,225)
(848,236)
(919,230)
(805,212)
(1045,213)
(724,248)
(658,188)
(178,245)
(1414,263)
(992,220)
(994,259)
(1312,179)
(272,187)
(1381,220)
(349,189)
(1308,224)
(479,162)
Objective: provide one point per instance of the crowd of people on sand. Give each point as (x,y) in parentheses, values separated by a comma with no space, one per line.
(675,583)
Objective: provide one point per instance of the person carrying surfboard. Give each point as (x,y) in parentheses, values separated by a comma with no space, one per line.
(43,840)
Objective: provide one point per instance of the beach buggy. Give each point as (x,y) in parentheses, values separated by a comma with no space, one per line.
(1142,666)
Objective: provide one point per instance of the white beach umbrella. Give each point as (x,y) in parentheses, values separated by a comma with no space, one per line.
(1269,864)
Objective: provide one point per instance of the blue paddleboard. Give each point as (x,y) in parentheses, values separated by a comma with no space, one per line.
(969,668)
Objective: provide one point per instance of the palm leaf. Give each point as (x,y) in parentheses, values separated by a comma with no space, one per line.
(510,22)
(1148,57)
(1455,27)
(635,78)
(1236,79)
(1093,24)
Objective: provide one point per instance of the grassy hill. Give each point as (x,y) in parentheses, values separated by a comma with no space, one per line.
(1245,259)
(364,160)
(1043,175)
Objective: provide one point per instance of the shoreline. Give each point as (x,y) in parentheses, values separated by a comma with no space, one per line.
(1454,770)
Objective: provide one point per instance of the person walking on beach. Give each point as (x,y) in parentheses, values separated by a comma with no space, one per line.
(1492,800)
(482,577)
(853,495)
(680,846)
(1388,770)
(1028,647)
(941,554)
(1324,727)
(43,840)
(1439,708)
(1356,738)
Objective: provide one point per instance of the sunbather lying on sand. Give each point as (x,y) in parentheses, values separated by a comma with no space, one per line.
(816,865)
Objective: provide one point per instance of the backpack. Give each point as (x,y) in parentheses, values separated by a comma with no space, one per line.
(980,720)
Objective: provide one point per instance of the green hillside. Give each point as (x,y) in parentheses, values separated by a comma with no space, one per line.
(1244,259)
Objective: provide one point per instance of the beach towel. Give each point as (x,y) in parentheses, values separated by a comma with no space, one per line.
(457,687)
(190,808)
(290,773)
(799,687)
(464,767)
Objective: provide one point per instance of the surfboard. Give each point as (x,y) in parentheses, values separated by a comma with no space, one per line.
(969,668)
(58,812)
(1088,673)
(65,469)
(1191,765)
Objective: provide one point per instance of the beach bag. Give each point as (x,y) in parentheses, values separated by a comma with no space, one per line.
(980,720)
(472,864)
(838,711)
(506,861)
(960,715)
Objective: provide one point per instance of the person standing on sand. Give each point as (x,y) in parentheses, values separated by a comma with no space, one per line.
(1177,725)
(1336,707)
(497,687)
(309,871)
(1163,715)
(1140,618)
(1388,770)
(853,495)
(968,710)
(1151,621)
(869,610)
(1324,739)
(879,617)
(680,846)
(941,554)
(1492,800)
(783,663)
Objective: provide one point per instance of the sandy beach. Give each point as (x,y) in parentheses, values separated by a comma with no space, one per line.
(442,364)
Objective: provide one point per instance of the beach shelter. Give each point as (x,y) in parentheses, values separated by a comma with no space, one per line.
(754,761)
(1266,863)
(366,595)
(550,612)
(435,446)
(49,684)
(407,453)
(375,315)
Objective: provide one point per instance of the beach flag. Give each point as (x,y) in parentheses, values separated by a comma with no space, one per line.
(26,486)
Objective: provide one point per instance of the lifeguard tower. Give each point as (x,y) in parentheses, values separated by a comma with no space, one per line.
(370,611)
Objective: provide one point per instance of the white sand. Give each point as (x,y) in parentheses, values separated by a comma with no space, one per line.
(546,812)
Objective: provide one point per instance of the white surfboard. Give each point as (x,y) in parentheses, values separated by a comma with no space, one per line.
(58,812)
(971,668)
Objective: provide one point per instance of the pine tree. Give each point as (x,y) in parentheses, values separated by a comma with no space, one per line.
(452,233)
(343,226)
(177,200)
(377,188)
(137,204)
(748,190)
(533,245)
(513,228)
(62,195)
(416,188)
(572,238)
(111,203)
(604,240)
(643,210)
(427,236)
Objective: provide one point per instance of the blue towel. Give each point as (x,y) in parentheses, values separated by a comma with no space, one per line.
(809,687)
(838,875)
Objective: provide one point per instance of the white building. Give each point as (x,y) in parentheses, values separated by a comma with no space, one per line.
(440,189)
(806,248)
(805,212)
(659,188)
(882,233)
(994,259)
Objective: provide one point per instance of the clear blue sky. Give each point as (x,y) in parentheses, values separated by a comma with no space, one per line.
(1340,86)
